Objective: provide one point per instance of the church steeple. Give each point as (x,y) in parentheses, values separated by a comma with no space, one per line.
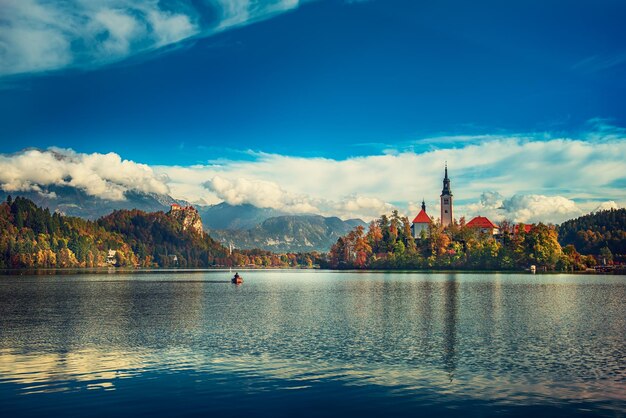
(446,200)
(446,183)
(423,204)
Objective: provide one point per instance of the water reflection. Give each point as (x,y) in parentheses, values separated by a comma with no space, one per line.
(450,308)
(428,339)
(105,369)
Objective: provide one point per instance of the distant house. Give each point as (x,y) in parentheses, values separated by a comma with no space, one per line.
(483,225)
(420,223)
(111,257)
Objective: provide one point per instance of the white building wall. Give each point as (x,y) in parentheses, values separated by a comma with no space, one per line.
(418,228)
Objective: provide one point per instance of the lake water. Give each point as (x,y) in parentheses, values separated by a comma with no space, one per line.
(312,343)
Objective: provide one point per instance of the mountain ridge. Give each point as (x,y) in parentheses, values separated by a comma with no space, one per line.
(299,233)
(243,225)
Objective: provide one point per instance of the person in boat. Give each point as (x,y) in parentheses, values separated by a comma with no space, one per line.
(236,276)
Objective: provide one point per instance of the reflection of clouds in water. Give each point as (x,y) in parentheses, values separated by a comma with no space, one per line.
(60,372)
(93,369)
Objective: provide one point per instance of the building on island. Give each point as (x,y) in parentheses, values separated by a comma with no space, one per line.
(479,223)
(446,200)
(421,222)
(483,225)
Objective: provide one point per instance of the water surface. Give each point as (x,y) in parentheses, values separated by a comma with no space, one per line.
(312,343)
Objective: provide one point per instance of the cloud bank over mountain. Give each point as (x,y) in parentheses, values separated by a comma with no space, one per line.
(106,176)
(41,35)
(519,178)
(259,193)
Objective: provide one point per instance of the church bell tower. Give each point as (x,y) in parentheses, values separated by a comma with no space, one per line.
(446,200)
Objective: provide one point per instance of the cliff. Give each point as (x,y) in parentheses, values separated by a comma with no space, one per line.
(188,217)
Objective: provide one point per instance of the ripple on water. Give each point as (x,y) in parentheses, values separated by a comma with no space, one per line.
(383,340)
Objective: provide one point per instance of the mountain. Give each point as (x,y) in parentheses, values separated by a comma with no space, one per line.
(226,216)
(71,201)
(353,223)
(289,233)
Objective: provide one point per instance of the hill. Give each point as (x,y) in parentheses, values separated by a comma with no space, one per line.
(591,233)
(289,233)
(33,237)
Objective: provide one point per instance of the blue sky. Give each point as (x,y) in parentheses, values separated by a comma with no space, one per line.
(177,83)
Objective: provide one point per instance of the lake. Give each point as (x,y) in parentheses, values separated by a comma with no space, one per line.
(312,343)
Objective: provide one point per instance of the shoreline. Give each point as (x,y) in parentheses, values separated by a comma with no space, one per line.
(156,270)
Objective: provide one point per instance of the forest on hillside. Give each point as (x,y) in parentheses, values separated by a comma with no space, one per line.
(32,237)
(599,233)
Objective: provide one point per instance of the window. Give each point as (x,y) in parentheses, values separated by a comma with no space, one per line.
(446,211)
(445,201)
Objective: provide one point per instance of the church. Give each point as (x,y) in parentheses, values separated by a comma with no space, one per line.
(422,221)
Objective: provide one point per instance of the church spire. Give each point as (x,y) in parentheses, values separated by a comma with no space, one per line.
(446,183)
(423,204)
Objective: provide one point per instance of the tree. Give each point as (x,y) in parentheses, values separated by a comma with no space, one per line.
(606,256)
(374,236)
(439,240)
(542,246)
(409,241)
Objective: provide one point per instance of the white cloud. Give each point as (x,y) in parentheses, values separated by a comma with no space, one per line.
(267,194)
(539,208)
(118,29)
(103,175)
(360,206)
(259,193)
(170,28)
(43,35)
(530,208)
(607,206)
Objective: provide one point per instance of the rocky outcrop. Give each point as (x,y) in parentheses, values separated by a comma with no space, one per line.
(188,217)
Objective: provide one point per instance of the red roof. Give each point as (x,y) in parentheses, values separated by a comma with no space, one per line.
(421,218)
(527,228)
(480,222)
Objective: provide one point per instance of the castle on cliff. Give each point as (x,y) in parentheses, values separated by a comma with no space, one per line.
(188,216)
